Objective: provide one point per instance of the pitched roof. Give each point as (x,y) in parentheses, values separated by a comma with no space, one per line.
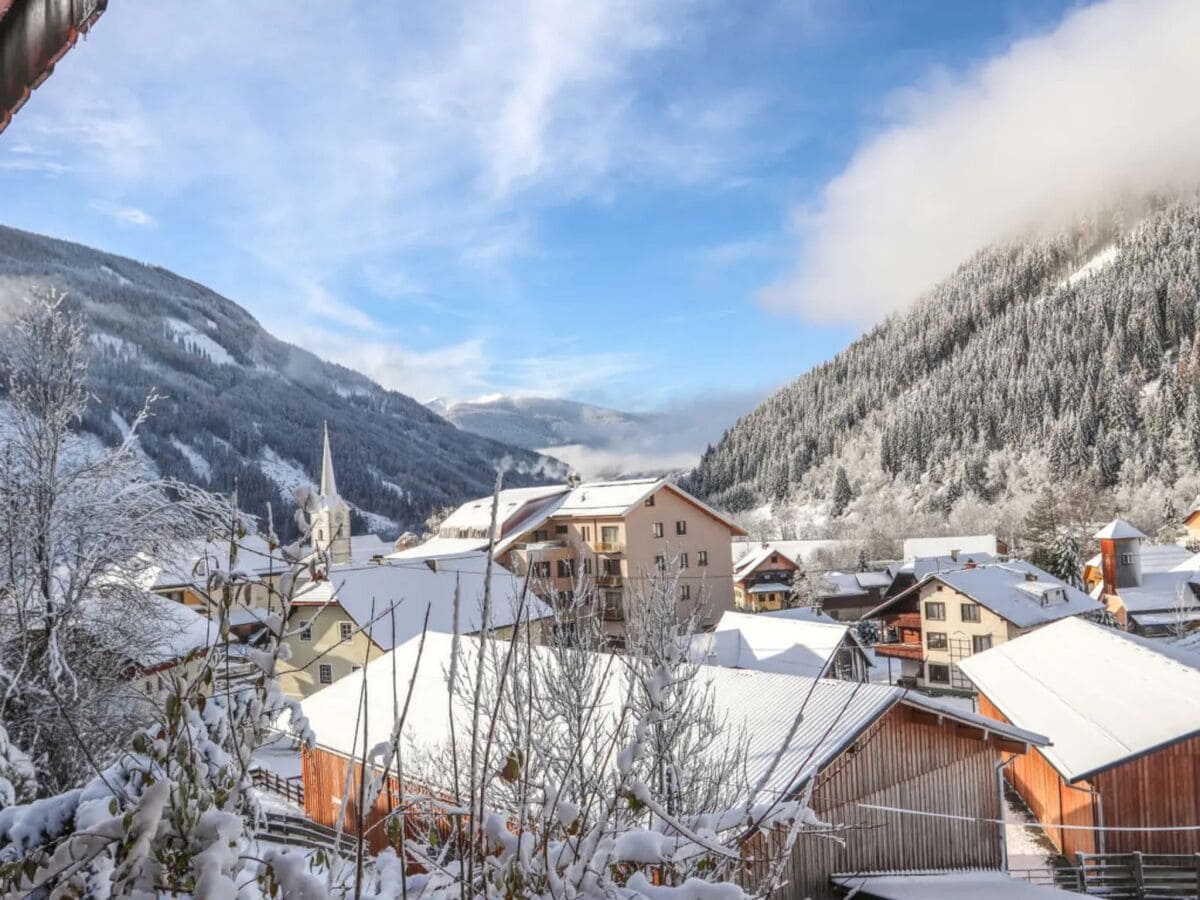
(1008,590)
(1118,529)
(410,585)
(1102,696)
(945,546)
(476,515)
(766,704)
(792,646)
(193,560)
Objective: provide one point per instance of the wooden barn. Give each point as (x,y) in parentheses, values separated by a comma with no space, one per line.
(1123,717)
(867,746)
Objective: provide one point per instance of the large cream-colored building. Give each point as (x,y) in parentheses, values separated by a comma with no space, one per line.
(948,616)
(612,536)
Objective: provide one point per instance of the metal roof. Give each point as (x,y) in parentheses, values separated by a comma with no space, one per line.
(1102,696)
(1118,529)
(791,646)
(765,704)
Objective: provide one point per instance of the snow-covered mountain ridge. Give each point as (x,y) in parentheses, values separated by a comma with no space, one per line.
(1071,361)
(241,405)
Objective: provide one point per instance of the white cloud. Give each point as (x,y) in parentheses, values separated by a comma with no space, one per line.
(1101,108)
(126,215)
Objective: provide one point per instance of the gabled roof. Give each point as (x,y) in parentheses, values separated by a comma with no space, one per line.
(1118,529)
(792,646)
(765,704)
(1102,696)
(410,586)
(476,515)
(194,559)
(945,546)
(1008,590)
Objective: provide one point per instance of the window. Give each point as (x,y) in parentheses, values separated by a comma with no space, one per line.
(970,612)
(685,592)
(306,632)
(1127,559)
(585,532)
(658,529)
(325,673)
(566,568)
(939,674)
(660,563)
(935,610)
(346,629)
(935,640)
(981,642)
(612,567)
(355,668)
(683,561)
(613,610)
(539,536)
(608,534)
(560,529)
(650,500)
(541,569)
(587,565)
(681,527)
(774,559)
(702,557)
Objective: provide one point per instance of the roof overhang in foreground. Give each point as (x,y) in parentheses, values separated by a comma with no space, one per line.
(34,36)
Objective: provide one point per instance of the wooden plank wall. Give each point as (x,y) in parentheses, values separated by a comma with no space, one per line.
(1049,797)
(906,760)
(1156,790)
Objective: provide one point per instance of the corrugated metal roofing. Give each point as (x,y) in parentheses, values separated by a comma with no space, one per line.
(766,704)
(1101,695)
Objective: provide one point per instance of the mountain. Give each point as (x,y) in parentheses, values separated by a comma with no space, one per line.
(243,407)
(1070,361)
(536,422)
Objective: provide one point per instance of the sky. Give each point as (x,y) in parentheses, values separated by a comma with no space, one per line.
(638,204)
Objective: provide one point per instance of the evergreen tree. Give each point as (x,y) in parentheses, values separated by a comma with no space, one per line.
(841,493)
(1041,530)
(1064,561)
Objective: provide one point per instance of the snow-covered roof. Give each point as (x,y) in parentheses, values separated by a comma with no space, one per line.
(946,546)
(254,555)
(1102,696)
(410,586)
(747,555)
(437,547)
(769,587)
(978,885)
(1016,591)
(766,704)
(167,631)
(476,515)
(926,565)
(1117,529)
(792,646)
(364,547)
(1166,619)
(1161,591)
(803,613)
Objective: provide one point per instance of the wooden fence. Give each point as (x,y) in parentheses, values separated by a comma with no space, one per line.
(1124,876)
(290,789)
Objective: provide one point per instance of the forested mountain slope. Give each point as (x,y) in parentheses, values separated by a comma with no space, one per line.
(241,406)
(1072,361)
(539,422)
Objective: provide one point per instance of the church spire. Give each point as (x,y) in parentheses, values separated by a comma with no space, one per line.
(328,482)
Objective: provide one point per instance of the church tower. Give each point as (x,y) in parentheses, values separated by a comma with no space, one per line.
(332,530)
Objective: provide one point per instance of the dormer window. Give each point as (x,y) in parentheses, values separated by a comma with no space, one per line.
(1127,559)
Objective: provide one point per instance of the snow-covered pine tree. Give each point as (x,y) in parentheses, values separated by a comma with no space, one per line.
(841,493)
(1040,530)
(1064,562)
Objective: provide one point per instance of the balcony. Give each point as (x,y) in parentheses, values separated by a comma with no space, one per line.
(901,651)
(614,612)
(608,547)
(608,580)
(554,544)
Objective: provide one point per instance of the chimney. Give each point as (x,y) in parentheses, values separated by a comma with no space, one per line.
(1031,576)
(970,564)
(954,555)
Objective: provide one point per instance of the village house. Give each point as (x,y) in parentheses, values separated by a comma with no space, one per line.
(613,537)
(858,743)
(904,575)
(1149,589)
(766,643)
(953,545)
(1123,717)
(947,616)
(357,612)
(763,582)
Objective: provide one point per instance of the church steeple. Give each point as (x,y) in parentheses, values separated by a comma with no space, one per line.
(328,482)
(331,531)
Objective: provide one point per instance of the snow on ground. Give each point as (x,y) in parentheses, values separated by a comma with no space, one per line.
(120,345)
(279,755)
(1092,266)
(198,340)
(116,276)
(198,463)
(286,474)
(1028,848)
(375,522)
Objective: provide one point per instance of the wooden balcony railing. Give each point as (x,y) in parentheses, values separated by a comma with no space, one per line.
(608,547)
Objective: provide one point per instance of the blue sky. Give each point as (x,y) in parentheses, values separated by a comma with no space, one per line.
(601,200)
